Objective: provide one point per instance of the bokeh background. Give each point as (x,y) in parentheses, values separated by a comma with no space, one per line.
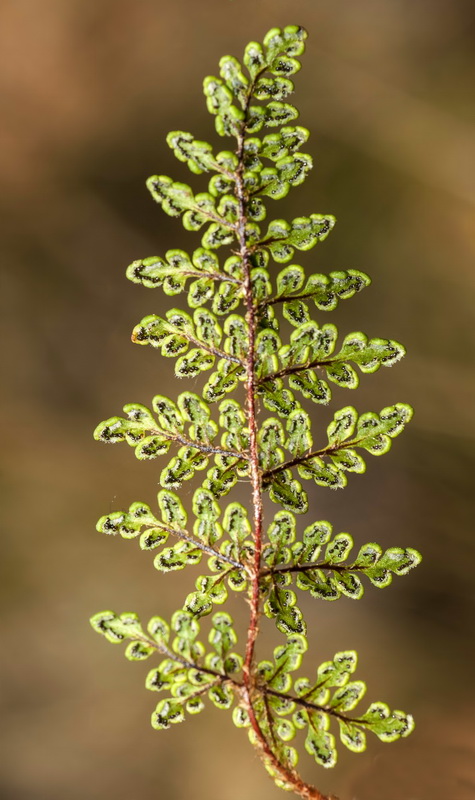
(89,89)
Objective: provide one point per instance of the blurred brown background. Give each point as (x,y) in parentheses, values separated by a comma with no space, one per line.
(88,91)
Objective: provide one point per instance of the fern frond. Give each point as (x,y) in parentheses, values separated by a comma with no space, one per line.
(234,332)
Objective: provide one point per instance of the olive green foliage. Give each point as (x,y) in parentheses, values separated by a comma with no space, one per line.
(205,434)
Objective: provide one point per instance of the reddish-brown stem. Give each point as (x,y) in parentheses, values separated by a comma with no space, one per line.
(294,462)
(296,368)
(283,772)
(251,393)
(313,565)
(280,770)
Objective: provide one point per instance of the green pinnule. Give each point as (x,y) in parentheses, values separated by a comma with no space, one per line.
(232,333)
